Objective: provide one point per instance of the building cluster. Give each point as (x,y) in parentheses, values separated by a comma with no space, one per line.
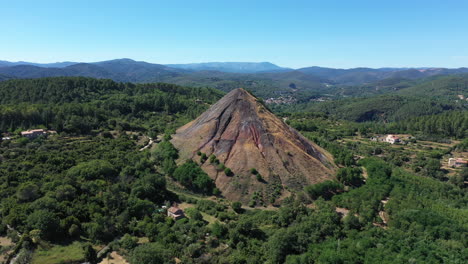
(392,139)
(281,100)
(30,134)
(34,133)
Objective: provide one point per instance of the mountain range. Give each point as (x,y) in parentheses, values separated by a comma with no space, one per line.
(263,78)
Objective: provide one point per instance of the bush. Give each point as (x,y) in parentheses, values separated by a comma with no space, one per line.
(259,177)
(194,214)
(128,242)
(212,158)
(237,207)
(203,158)
(228,172)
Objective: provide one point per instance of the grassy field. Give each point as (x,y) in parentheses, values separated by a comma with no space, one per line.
(56,254)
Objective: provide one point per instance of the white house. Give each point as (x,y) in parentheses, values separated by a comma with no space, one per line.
(392,139)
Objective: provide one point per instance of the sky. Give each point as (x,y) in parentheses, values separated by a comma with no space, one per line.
(331,33)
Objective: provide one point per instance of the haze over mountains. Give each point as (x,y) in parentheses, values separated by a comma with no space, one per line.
(237,67)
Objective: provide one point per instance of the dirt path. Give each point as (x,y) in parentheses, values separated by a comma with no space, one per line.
(365,175)
(148,145)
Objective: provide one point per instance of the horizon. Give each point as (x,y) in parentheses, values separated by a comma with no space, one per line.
(300,34)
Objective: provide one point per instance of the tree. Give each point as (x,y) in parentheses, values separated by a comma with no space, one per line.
(324,189)
(27,192)
(350,176)
(193,177)
(228,172)
(90,254)
(92,170)
(165,150)
(45,221)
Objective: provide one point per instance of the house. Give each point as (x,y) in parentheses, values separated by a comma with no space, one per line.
(175,212)
(392,139)
(457,162)
(33,133)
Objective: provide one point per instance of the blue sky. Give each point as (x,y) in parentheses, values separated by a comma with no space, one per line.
(330,33)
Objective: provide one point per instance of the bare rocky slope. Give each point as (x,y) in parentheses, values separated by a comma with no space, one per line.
(243,134)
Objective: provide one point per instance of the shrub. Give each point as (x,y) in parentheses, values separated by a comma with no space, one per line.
(237,207)
(128,242)
(228,172)
(259,177)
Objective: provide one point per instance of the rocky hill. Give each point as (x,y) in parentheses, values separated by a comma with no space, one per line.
(244,135)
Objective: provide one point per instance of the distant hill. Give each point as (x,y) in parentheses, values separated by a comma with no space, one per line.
(262,84)
(358,76)
(123,70)
(45,65)
(443,87)
(81,69)
(433,96)
(236,67)
(4,78)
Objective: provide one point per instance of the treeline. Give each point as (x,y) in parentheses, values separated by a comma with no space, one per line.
(80,105)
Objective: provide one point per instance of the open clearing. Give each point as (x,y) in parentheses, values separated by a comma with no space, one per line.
(115,258)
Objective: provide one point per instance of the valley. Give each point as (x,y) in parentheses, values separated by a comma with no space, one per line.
(227,161)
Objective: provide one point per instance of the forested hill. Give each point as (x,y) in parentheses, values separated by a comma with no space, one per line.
(397,99)
(79,105)
(443,87)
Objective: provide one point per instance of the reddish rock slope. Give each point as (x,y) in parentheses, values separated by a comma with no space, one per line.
(243,134)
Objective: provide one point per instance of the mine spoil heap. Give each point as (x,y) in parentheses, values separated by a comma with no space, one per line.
(243,134)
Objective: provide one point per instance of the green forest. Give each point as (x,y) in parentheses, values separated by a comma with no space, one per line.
(102,182)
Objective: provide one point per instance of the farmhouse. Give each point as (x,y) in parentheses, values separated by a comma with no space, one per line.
(175,212)
(33,133)
(392,139)
(457,162)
